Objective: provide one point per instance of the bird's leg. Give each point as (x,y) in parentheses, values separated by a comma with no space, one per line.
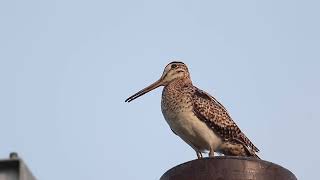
(211,153)
(199,155)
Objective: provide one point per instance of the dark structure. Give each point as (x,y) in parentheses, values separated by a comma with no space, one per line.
(228,168)
(14,169)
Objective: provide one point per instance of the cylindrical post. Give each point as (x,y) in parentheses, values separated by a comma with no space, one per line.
(228,168)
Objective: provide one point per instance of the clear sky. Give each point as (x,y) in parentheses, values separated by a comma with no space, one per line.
(66,67)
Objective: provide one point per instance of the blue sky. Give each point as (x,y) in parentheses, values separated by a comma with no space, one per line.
(67,66)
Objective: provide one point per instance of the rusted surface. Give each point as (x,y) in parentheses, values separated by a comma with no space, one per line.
(228,168)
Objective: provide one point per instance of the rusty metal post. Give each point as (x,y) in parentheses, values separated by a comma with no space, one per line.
(228,168)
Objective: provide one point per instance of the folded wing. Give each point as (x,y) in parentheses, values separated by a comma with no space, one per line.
(209,110)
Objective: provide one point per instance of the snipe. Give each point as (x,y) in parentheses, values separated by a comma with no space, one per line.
(197,117)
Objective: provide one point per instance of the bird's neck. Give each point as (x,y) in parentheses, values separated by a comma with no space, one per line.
(174,95)
(179,83)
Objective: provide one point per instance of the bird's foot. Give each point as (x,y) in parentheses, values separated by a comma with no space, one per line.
(199,155)
(211,154)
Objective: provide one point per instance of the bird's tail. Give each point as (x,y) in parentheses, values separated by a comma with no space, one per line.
(248,143)
(252,154)
(237,148)
(250,149)
(256,156)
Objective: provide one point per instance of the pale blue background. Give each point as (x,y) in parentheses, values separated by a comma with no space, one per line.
(66,68)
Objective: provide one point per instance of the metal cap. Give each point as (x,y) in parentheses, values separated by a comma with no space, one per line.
(228,168)
(13,155)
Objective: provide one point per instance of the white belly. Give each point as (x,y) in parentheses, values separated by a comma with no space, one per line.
(193,131)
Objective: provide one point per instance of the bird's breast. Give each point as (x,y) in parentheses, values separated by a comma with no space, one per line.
(175,101)
(192,130)
(178,112)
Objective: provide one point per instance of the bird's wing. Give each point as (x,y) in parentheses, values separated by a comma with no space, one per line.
(209,110)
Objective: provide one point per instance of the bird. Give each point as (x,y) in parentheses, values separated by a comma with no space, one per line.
(196,117)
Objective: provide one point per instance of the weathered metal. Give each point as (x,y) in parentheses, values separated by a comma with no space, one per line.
(228,168)
(14,169)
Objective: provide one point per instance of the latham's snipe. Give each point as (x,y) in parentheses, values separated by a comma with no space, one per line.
(197,117)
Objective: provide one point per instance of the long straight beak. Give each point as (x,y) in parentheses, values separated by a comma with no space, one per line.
(145,90)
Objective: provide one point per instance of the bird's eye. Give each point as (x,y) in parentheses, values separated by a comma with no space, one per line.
(173,66)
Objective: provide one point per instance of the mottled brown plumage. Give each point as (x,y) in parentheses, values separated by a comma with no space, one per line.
(198,118)
(215,115)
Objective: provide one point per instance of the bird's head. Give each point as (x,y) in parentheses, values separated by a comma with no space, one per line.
(173,71)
